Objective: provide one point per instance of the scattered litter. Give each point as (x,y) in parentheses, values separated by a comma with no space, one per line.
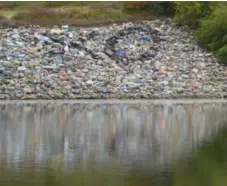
(138,59)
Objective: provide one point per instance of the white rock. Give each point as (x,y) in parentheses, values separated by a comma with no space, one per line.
(66,48)
(133,85)
(89,82)
(27,90)
(195,70)
(70,35)
(21,68)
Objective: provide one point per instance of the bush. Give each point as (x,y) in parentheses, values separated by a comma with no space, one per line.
(161,8)
(190,13)
(210,21)
(212,33)
(156,8)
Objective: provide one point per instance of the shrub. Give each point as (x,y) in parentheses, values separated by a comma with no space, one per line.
(157,8)
(212,33)
(161,8)
(190,13)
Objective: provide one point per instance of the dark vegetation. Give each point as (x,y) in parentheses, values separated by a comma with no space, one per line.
(207,19)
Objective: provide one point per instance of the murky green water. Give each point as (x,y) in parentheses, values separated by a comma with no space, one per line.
(123,144)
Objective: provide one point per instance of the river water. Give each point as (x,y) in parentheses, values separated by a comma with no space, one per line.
(131,143)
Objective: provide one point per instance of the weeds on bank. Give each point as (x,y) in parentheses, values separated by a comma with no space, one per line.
(45,16)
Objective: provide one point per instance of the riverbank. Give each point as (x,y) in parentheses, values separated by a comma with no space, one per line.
(72,13)
(115,101)
(147,60)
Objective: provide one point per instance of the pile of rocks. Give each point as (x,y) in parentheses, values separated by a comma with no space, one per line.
(151,59)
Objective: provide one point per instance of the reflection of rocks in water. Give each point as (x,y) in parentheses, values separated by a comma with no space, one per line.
(150,134)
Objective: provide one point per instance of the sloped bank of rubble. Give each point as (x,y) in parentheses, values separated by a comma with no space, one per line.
(150,59)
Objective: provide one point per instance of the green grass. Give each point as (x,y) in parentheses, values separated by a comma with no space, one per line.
(72,13)
(26,5)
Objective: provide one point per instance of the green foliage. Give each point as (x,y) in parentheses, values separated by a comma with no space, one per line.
(190,13)
(161,8)
(210,21)
(212,33)
(154,7)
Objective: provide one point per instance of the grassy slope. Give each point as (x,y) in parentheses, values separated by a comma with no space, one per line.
(73,13)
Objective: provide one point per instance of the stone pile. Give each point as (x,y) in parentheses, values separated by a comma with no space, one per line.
(151,59)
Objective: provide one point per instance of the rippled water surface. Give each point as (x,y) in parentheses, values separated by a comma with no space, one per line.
(105,144)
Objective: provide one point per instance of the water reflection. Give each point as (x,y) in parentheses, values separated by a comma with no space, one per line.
(153,135)
(207,166)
